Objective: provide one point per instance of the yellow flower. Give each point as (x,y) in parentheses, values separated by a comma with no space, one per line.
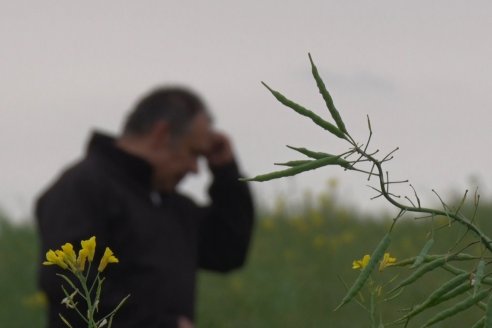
(83,254)
(386,261)
(55,258)
(90,246)
(69,253)
(268,224)
(360,264)
(36,300)
(319,241)
(61,255)
(108,257)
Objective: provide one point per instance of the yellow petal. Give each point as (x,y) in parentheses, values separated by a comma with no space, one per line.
(69,253)
(51,256)
(362,263)
(365,260)
(90,246)
(108,257)
(386,261)
(113,259)
(83,254)
(55,258)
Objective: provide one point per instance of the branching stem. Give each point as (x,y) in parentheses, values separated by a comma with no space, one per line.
(484,239)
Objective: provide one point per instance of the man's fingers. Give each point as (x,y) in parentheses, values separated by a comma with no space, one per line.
(220,150)
(184,322)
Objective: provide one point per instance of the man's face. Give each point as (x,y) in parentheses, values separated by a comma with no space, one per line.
(182,153)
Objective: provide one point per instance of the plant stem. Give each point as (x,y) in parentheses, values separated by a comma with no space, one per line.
(485,240)
(90,306)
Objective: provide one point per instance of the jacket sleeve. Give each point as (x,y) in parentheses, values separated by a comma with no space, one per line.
(225,231)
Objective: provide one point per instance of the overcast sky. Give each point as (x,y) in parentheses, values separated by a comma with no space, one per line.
(420,69)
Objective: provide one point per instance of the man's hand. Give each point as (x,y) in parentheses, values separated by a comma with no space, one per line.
(184,322)
(221,151)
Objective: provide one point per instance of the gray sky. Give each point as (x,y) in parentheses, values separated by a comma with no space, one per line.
(420,69)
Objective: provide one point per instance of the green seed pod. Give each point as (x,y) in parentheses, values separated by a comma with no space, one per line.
(342,162)
(479,276)
(435,300)
(319,155)
(310,153)
(305,112)
(438,298)
(480,323)
(421,271)
(376,256)
(412,260)
(461,306)
(327,97)
(443,289)
(464,287)
(293,163)
(429,258)
(488,314)
(311,165)
(423,253)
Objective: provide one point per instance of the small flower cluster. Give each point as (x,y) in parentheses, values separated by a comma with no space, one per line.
(385,262)
(66,258)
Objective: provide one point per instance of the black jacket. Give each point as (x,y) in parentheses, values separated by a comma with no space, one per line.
(160,239)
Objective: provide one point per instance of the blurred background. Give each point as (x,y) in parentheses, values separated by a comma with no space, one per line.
(421,71)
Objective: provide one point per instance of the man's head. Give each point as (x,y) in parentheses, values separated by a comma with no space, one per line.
(171,129)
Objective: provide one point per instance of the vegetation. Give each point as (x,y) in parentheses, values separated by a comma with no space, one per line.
(291,278)
(473,246)
(21,305)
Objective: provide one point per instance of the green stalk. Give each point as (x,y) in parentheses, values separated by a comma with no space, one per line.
(485,240)
(90,306)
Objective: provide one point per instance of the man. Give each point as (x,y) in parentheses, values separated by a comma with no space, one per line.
(124,193)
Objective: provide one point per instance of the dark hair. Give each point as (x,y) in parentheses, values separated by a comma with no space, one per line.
(176,105)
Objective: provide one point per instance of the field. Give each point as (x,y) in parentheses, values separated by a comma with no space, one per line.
(299,257)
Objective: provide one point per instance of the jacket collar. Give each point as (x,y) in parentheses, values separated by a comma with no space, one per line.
(103,146)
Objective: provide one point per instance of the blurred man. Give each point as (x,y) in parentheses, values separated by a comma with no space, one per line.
(124,193)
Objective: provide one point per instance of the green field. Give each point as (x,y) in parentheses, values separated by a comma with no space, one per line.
(292,278)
